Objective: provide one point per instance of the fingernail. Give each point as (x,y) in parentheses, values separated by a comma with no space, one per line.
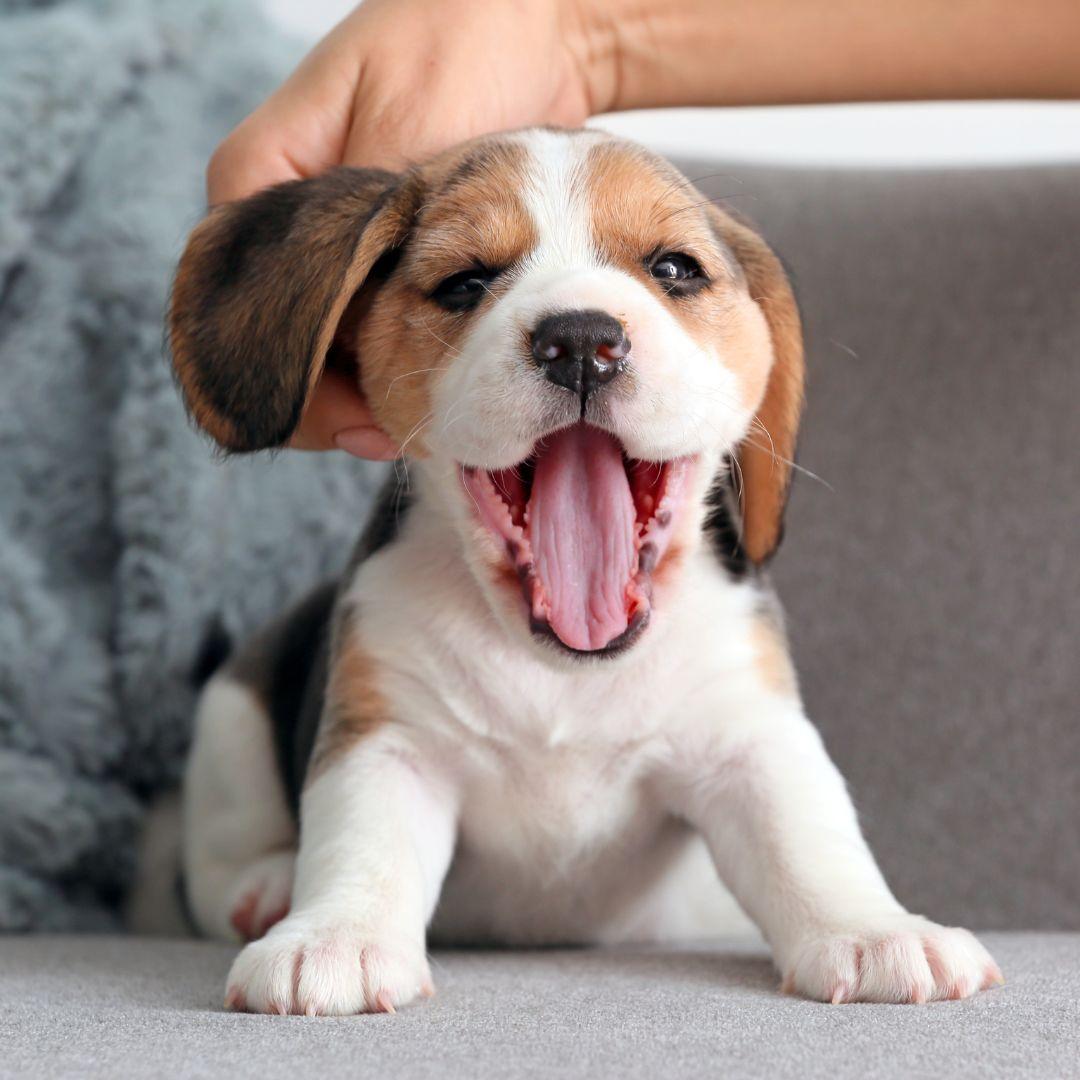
(366,442)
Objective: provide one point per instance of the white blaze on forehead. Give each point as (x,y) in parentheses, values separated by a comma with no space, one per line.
(555,195)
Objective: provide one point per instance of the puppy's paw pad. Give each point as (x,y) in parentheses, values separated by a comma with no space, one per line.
(903,959)
(326,970)
(263,894)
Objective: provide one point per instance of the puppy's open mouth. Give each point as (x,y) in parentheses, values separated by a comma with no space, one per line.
(585,528)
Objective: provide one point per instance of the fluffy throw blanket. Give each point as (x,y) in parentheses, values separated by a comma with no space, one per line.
(124,544)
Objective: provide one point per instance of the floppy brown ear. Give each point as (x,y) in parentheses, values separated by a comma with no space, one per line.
(261,289)
(766,456)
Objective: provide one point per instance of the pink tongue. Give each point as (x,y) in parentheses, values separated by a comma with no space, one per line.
(582,525)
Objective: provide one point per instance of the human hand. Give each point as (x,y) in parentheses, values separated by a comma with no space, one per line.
(398,81)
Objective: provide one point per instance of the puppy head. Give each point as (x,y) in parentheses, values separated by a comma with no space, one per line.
(571,343)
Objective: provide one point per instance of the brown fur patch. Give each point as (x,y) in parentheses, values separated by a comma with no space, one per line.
(641,207)
(473,216)
(354,707)
(767,454)
(772,660)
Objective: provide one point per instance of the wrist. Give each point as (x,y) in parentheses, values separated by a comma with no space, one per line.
(594,33)
(628,49)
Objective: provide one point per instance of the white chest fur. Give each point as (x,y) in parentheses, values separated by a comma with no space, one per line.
(504,799)
(561,832)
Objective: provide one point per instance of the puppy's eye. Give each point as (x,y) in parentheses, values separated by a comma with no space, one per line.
(459,292)
(678,273)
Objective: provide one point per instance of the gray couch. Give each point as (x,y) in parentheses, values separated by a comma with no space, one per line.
(931,577)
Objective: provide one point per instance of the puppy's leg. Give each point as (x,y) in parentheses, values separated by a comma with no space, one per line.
(783,832)
(376,839)
(239,835)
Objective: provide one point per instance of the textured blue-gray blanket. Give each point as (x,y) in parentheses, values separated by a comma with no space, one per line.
(123,543)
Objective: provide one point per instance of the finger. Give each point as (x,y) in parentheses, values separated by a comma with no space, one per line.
(299,131)
(286,138)
(388,137)
(243,165)
(371,443)
(388,131)
(337,407)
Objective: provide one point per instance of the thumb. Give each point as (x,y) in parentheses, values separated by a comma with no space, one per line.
(338,417)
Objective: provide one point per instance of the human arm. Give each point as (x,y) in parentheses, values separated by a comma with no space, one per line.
(395,82)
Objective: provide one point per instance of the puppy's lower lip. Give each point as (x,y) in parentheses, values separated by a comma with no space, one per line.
(584,529)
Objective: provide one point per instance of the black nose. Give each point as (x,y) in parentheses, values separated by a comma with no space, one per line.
(581,350)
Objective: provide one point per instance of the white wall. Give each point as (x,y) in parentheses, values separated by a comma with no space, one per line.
(947,133)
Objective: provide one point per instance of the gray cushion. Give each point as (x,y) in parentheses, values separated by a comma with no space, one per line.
(110,1007)
(932,587)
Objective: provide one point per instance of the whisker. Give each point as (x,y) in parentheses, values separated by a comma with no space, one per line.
(399,491)
(449,418)
(705,202)
(445,344)
(740,488)
(757,422)
(737,477)
(844,348)
(692,181)
(400,460)
(683,182)
(791,464)
(704,424)
(407,374)
(466,487)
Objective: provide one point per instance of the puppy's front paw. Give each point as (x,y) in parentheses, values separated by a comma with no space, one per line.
(327,968)
(900,959)
(262,895)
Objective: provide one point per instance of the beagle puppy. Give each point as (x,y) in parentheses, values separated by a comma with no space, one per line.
(550,701)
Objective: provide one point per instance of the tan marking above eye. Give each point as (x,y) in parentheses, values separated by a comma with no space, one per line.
(641,206)
(427,273)
(491,241)
(480,220)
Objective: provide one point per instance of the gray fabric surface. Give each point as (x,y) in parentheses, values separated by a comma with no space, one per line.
(932,587)
(122,541)
(101,1007)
